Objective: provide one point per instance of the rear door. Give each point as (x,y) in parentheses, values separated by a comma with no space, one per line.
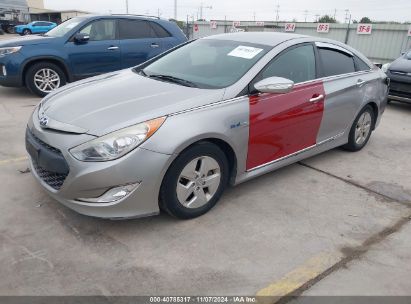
(284,124)
(101,54)
(138,41)
(344,86)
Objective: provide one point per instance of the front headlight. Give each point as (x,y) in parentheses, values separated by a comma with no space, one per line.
(385,67)
(118,143)
(9,50)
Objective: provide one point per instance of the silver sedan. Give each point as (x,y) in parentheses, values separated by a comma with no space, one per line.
(174,132)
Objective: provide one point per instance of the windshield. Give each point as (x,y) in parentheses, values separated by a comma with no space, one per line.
(208,63)
(64,28)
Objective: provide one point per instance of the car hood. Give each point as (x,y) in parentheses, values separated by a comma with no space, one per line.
(401,64)
(26,40)
(107,103)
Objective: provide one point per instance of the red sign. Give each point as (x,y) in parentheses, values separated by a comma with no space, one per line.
(259,23)
(364,29)
(236,23)
(289,27)
(409,32)
(213,25)
(196,27)
(323,27)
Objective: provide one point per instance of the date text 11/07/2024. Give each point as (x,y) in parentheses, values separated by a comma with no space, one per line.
(205,299)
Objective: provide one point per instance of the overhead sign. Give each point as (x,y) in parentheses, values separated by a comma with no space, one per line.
(236,23)
(289,27)
(323,27)
(409,32)
(213,25)
(364,29)
(259,23)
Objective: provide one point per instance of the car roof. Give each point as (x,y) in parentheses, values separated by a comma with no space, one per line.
(263,38)
(127,16)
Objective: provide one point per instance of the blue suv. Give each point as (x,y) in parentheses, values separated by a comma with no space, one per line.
(83,47)
(36,27)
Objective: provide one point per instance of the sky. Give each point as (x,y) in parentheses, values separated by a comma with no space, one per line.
(264,10)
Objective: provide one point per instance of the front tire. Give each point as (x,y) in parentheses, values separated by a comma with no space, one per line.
(361,129)
(195,181)
(26,32)
(44,77)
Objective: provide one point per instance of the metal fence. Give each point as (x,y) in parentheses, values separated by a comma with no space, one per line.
(385,43)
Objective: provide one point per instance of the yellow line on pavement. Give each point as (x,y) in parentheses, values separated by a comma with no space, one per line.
(13,160)
(295,279)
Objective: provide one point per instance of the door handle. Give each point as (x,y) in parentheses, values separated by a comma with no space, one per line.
(154,45)
(113,48)
(360,82)
(316,98)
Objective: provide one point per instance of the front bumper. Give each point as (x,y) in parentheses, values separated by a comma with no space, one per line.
(93,179)
(12,64)
(400,88)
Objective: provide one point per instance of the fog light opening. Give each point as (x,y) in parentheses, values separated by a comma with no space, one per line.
(4,71)
(112,195)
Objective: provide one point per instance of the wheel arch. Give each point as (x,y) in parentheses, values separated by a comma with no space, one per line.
(223,144)
(374,106)
(55,60)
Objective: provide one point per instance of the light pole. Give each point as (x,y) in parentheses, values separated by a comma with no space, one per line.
(175,9)
(127,6)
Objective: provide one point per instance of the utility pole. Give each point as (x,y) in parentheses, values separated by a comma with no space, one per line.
(175,9)
(347,12)
(201,10)
(305,15)
(254,16)
(348,30)
(317,18)
(335,13)
(127,6)
(158,13)
(277,12)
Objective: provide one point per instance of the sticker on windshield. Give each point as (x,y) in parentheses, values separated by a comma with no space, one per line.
(246,52)
(70,26)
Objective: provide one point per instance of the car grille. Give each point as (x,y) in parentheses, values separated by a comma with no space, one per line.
(53,179)
(399,87)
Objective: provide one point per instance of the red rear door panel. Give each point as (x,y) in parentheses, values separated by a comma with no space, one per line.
(281,124)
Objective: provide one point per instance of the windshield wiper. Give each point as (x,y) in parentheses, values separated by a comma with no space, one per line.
(173,79)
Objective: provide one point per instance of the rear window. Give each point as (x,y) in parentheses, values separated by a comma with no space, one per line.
(361,65)
(335,62)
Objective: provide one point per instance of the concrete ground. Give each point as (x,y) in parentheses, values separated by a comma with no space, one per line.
(335,224)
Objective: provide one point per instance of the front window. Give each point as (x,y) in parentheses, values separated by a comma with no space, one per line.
(64,28)
(208,63)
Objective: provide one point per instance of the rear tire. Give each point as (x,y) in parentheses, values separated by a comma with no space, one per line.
(195,181)
(44,77)
(361,129)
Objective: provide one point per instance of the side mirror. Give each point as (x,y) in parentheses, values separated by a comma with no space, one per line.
(402,53)
(274,85)
(81,38)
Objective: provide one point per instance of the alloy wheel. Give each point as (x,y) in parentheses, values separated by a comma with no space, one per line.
(363,128)
(198,182)
(46,80)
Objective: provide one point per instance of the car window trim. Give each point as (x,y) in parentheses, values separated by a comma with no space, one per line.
(323,45)
(317,67)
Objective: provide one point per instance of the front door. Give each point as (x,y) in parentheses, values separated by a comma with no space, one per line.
(284,124)
(101,54)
